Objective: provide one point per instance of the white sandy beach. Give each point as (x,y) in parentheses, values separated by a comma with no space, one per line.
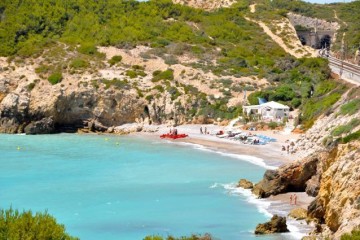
(271,153)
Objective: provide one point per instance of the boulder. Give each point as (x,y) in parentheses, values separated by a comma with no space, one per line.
(44,126)
(298,213)
(243,183)
(128,128)
(288,178)
(277,224)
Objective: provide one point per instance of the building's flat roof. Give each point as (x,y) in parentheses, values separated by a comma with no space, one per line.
(271,104)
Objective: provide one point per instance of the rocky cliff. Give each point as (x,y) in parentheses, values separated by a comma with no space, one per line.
(328,169)
(106,94)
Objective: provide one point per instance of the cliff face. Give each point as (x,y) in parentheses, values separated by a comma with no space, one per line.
(65,105)
(328,170)
(108,94)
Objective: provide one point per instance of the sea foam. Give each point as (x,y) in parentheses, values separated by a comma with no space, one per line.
(251,159)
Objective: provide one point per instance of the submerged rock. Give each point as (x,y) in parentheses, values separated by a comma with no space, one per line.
(277,224)
(245,184)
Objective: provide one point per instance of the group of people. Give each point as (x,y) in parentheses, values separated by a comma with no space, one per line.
(205,131)
(290,148)
(293,199)
(173,131)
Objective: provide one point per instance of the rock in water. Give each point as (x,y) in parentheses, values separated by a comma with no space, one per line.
(277,224)
(44,126)
(245,184)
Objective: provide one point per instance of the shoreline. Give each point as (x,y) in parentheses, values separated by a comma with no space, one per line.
(271,157)
(271,153)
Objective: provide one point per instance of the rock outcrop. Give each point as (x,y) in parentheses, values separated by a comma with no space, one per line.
(328,170)
(337,203)
(44,126)
(243,183)
(288,178)
(298,213)
(277,224)
(313,23)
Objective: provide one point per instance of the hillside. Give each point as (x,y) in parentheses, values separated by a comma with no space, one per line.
(207,60)
(69,65)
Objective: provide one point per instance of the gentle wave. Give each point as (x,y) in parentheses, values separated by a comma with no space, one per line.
(248,158)
(264,207)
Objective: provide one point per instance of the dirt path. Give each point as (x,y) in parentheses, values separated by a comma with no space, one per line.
(295,46)
(253,8)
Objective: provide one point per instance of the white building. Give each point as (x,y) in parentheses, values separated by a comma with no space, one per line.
(270,110)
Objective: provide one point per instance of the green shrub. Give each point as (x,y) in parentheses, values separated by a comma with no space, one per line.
(282,93)
(159,88)
(42,69)
(324,87)
(88,49)
(351,137)
(79,63)
(120,84)
(165,75)
(346,128)
(149,98)
(295,102)
(31,86)
(272,125)
(351,107)
(114,60)
(313,108)
(55,78)
(26,225)
(253,98)
(174,92)
(354,235)
(135,73)
(131,74)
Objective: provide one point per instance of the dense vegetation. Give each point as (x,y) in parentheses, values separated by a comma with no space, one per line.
(354,235)
(239,47)
(26,225)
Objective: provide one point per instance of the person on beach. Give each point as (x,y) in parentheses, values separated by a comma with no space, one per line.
(295,199)
(201,131)
(291,198)
(205,130)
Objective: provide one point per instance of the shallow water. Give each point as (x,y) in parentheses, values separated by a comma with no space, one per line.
(111,187)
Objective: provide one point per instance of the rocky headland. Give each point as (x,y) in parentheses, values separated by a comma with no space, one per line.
(328,169)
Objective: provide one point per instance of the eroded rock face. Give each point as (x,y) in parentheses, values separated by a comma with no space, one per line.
(337,202)
(277,224)
(14,111)
(288,178)
(44,126)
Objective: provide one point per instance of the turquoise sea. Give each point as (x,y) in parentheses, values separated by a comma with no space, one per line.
(113,187)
